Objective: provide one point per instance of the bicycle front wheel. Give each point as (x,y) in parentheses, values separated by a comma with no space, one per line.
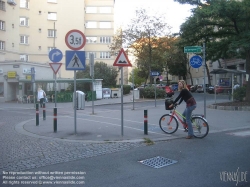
(168,124)
(200,127)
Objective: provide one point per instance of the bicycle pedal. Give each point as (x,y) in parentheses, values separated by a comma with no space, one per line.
(185,130)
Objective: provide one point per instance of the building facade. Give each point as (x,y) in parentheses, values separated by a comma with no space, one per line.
(30,29)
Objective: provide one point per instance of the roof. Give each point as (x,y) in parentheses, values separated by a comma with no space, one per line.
(224,71)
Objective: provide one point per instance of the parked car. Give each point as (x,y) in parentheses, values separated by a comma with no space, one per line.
(193,88)
(169,91)
(174,87)
(200,88)
(218,89)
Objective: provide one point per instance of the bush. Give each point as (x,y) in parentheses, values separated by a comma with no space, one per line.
(126,88)
(240,93)
(149,92)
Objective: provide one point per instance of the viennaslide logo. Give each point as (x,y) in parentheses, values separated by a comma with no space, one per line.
(234,176)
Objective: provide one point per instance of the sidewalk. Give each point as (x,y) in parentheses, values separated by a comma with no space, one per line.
(106,124)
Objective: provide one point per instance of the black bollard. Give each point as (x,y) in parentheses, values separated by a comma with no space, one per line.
(44,112)
(37,114)
(146,122)
(55,119)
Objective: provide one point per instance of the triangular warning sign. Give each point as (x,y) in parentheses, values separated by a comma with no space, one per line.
(75,62)
(55,67)
(122,59)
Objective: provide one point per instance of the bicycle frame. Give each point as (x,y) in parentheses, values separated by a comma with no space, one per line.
(177,114)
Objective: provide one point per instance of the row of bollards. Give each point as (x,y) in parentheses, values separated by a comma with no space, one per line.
(55,118)
(44,116)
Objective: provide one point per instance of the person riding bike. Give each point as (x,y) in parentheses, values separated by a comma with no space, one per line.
(190,105)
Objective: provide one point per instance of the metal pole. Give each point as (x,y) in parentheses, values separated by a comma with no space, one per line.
(215,88)
(44,112)
(75,99)
(122,100)
(55,120)
(146,122)
(155,90)
(92,76)
(133,89)
(204,84)
(54,45)
(37,114)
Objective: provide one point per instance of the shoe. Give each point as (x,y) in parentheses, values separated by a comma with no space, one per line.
(189,137)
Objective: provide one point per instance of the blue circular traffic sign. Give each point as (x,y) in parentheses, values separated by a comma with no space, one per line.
(55,55)
(196,61)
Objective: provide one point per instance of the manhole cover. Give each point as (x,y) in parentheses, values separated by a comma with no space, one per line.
(158,162)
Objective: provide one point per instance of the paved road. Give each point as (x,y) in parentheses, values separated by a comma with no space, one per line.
(20,152)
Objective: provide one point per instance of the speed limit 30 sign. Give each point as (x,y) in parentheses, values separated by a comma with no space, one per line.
(75,40)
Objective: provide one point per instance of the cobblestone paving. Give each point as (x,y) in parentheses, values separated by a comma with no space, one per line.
(20,152)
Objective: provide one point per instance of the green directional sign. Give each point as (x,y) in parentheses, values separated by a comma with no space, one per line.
(192,49)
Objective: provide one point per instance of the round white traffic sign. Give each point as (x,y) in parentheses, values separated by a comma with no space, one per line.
(75,40)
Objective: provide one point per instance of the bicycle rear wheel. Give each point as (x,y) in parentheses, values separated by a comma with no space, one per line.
(168,124)
(200,127)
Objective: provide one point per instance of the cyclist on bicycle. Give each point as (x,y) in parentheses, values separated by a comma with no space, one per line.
(190,105)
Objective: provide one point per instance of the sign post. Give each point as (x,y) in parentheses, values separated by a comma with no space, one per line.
(55,55)
(75,60)
(154,74)
(121,61)
(196,62)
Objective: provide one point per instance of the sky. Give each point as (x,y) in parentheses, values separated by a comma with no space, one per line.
(174,12)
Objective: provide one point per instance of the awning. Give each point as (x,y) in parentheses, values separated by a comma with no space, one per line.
(224,71)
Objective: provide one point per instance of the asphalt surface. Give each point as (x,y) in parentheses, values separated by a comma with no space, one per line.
(105,157)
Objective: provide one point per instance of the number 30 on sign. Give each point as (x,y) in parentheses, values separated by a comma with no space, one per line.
(75,40)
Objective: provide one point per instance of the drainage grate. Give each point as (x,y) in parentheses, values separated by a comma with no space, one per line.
(158,162)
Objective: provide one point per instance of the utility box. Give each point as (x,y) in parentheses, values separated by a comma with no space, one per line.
(91,95)
(136,94)
(106,93)
(115,92)
(80,100)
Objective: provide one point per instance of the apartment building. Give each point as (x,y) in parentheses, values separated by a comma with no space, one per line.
(30,29)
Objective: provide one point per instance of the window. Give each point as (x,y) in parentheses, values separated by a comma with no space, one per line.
(104,54)
(2,25)
(24,39)
(2,5)
(105,39)
(91,24)
(51,33)
(50,48)
(24,57)
(24,21)
(52,1)
(88,54)
(24,3)
(91,39)
(91,9)
(2,45)
(51,15)
(105,24)
(105,10)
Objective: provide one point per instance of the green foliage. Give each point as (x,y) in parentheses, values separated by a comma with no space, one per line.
(149,92)
(126,89)
(138,80)
(224,26)
(101,71)
(239,93)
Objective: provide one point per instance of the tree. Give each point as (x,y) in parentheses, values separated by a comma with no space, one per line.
(224,26)
(137,79)
(142,38)
(101,71)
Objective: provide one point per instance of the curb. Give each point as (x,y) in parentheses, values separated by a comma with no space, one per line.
(232,108)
